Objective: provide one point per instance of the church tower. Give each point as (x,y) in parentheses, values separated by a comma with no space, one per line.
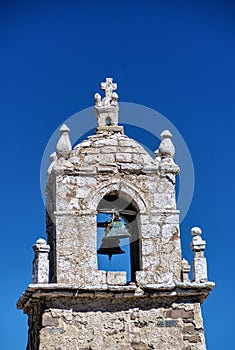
(111,274)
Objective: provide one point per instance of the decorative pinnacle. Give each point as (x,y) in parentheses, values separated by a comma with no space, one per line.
(63,147)
(166,148)
(53,157)
(41,245)
(185,265)
(166,134)
(185,271)
(64,129)
(41,241)
(197,243)
(199,262)
(196,231)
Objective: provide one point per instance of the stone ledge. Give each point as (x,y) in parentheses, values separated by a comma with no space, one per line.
(187,285)
(199,291)
(164,211)
(74,212)
(110,129)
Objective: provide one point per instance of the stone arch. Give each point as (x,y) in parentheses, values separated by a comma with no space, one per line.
(123,187)
(130,206)
(108,121)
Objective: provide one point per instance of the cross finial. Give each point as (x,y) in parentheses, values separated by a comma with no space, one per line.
(108,87)
(106,109)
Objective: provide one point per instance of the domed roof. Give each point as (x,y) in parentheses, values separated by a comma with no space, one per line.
(113,150)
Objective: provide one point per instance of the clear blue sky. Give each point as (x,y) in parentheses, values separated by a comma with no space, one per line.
(175,57)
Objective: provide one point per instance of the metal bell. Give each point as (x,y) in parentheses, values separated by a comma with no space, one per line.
(116,228)
(110,247)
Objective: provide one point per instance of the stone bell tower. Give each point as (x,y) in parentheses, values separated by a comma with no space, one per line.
(109,184)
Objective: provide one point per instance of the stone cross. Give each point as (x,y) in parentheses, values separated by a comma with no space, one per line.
(108,87)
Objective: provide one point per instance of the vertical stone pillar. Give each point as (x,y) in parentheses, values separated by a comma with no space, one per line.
(199,261)
(41,262)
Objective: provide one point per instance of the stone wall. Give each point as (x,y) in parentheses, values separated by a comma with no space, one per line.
(77,199)
(75,248)
(122,324)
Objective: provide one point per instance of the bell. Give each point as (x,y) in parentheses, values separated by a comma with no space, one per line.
(116,228)
(110,247)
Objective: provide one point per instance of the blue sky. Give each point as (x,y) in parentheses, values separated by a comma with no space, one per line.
(176,57)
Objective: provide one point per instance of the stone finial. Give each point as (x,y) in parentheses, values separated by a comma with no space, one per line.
(41,262)
(114,100)
(185,271)
(166,152)
(106,109)
(157,155)
(199,262)
(53,159)
(64,147)
(166,148)
(98,101)
(197,244)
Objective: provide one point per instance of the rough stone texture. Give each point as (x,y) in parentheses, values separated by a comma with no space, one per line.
(116,278)
(120,324)
(117,163)
(89,309)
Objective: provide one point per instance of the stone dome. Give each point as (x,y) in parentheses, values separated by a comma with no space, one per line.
(112,150)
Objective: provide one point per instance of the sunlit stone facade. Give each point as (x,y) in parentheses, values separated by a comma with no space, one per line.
(72,304)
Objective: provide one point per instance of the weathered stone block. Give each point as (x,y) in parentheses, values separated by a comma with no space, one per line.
(149,264)
(124,157)
(150,231)
(116,278)
(146,277)
(189,329)
(200,270)
(106,158)
(95,277)
(192,338)
(179,313)
(48,320)
(149,247)
(164,201)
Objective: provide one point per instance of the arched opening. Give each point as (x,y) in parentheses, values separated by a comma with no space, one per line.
(118,237)
(108,121)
